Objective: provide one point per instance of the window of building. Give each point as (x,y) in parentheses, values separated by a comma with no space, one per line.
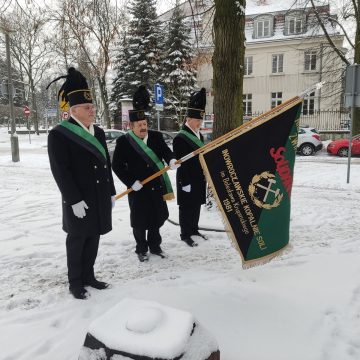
(4,90)
(247,104)
(309,104)
(277,63)
(295,26)
(263,28)
(276,99)
(198,25)
(248,65)
(310,60)
(295,22)
(199,2)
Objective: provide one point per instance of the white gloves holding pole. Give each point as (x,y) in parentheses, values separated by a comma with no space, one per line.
(172,164)
(136,186)
(79,209)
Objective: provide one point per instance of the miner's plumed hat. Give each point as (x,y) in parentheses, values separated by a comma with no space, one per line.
(196,104)
(74,90)
(141,101)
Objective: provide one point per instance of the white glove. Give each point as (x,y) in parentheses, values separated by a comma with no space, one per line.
(186,188)
(79,209)
(113,201)
(172,164)
(136,186)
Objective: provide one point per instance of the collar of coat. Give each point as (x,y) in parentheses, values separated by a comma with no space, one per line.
(76,133)
(149,156)
(187,134)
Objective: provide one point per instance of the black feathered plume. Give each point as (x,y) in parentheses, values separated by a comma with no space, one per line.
(141,98)
(55,80)
(74,81)
(198,99)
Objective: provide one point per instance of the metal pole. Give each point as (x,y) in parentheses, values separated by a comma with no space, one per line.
(28,126)
(13,137)
(158,119)
(47,123)
(320,76)
(351,122)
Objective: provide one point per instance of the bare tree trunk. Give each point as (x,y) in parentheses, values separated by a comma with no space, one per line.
(228,64)
(104,99)
(35,115)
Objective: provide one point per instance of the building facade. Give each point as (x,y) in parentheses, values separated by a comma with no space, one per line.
(286,53)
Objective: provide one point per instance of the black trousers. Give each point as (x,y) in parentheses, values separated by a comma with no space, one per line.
(189,215)
(152,241)
(81,254)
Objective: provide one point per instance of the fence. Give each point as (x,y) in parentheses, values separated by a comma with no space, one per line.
(325,121)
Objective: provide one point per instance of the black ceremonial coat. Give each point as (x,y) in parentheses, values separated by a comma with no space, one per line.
(190,172)
(82,173)
(147,207)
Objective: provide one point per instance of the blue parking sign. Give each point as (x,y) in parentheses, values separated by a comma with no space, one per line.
(159,97)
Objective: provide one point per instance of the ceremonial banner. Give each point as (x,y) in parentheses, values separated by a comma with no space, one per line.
(251,175)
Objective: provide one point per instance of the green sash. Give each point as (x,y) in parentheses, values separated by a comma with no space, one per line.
(192,137)
(157,163)
(79,131)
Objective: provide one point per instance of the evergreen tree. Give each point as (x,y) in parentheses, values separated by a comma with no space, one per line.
(178,72)
(143,45)
(121,83)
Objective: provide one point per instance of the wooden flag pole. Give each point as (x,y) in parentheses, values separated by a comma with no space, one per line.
(217,141)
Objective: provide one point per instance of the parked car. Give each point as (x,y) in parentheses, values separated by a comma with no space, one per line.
(207,136)
(340,147)
(111,148)
(112,134)
(168,136)
(309,141)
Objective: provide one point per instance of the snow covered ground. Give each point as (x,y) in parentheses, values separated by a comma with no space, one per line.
(304,305)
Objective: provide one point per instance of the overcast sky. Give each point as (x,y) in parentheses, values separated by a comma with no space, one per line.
(164,5)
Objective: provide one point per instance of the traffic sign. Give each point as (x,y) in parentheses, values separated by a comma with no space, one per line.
(159,97)
(26,111)
(51,112)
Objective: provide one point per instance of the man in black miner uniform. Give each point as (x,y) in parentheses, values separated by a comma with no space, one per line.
(80,164)
(138,155)
(190,179)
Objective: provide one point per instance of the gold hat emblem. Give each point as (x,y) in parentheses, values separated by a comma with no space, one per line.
(87,95)
(202,113)
(141,115)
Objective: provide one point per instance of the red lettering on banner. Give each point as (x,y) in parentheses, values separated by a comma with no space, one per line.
(282,167)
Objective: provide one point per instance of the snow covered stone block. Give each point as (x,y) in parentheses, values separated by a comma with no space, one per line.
(147,330)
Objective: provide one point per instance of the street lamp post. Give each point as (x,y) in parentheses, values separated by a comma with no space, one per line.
(13,137)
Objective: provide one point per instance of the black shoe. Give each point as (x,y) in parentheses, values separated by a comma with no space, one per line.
(143,257)
(201,235)
(159,253)
(100,285)
(190,242)
(79,292)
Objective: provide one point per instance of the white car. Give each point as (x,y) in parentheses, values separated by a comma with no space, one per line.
(309,141)
(111,135)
